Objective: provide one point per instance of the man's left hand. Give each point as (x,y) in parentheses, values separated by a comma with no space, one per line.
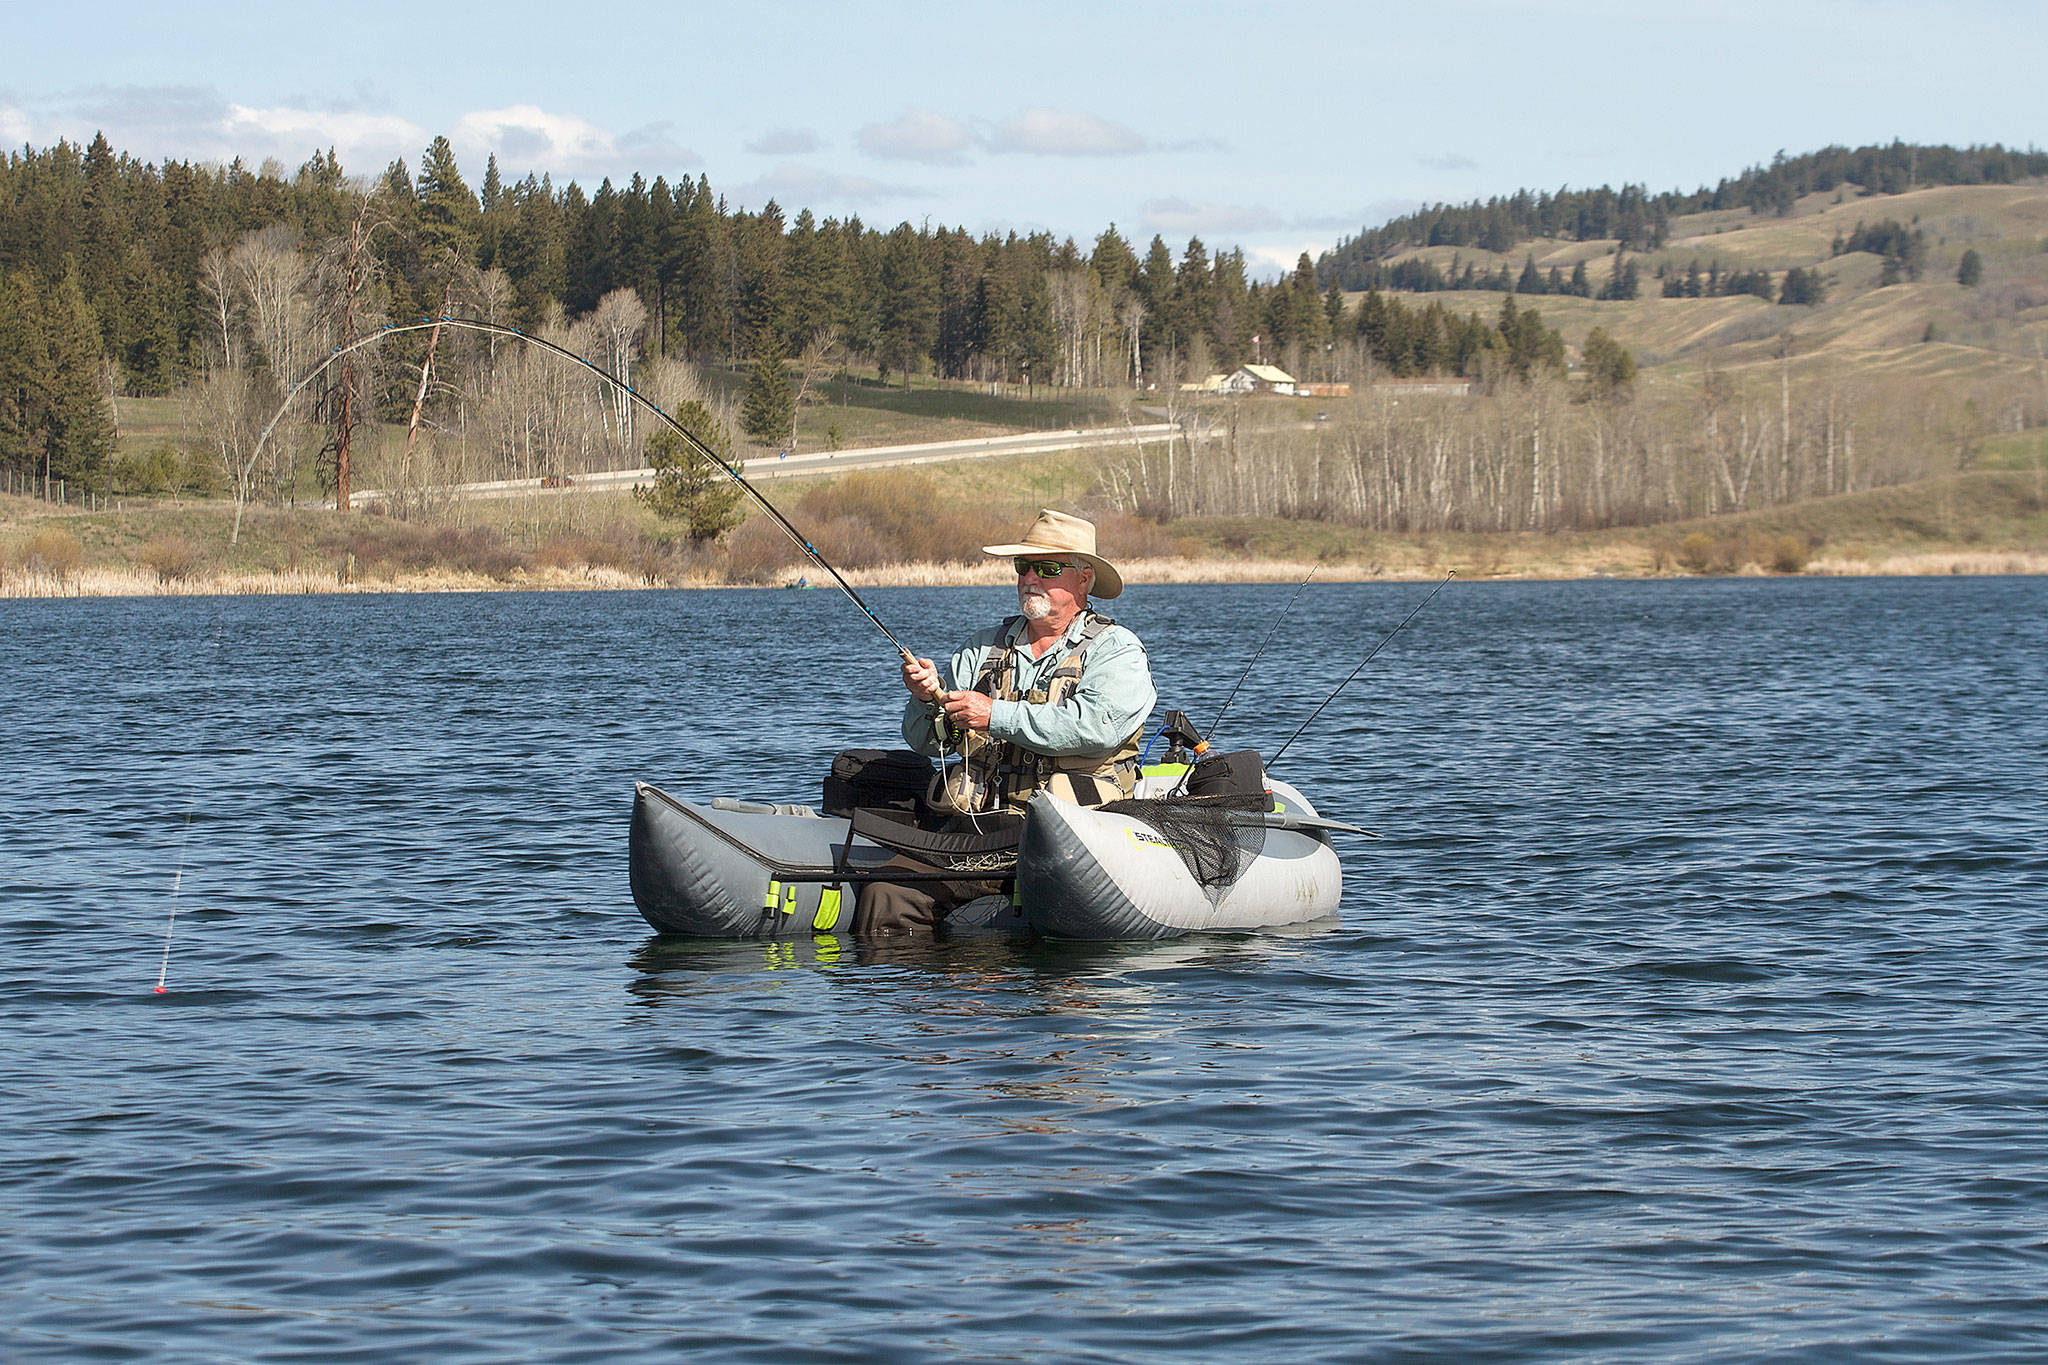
(968,710)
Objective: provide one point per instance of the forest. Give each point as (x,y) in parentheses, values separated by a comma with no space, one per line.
(223,286)
(1638,220)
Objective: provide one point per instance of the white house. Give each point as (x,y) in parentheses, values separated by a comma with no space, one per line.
(1258,379)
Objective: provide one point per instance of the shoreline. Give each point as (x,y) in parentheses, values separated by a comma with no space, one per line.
(99,582)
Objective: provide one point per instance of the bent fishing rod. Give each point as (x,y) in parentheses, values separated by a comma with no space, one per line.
(695,442)
(1361,667)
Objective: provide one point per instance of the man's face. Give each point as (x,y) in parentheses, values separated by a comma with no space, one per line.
(1039,597)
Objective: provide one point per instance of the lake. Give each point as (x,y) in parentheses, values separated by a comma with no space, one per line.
(1691,1006)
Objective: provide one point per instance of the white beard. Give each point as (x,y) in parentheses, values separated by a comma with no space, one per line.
(1036,606)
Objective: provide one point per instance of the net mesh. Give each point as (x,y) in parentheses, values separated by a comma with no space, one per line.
(1200,829)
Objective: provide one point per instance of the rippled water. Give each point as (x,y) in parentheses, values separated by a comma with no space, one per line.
(1692,1006)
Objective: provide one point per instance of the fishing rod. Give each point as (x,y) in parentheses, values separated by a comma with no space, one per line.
(1255,657)
(499,329)
(1361,667)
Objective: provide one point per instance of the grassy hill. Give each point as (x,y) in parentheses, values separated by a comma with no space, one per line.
(1932,328)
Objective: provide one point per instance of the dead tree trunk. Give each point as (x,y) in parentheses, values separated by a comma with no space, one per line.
(419,398)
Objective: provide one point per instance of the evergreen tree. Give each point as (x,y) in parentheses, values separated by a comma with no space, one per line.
(149,358)
(1530,280)
(25,371)
(1625,282)
(450,221)
(761,306)
(959,341)
(699,252)
(907,311)
(1610,369)
(688,487)
(1193,308)
(1803,286)
(814,281)
(1580,287)
(769,413)
(494,186)
(1971,272)
(80,407)
(1114,263)
(1155,288)
(593,258)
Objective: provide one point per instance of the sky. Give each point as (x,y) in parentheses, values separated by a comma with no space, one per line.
(1275,128)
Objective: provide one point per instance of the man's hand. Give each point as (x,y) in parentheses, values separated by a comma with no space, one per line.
(921,676)
(968,710)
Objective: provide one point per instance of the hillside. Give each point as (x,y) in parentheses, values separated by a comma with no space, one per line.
(1929,328)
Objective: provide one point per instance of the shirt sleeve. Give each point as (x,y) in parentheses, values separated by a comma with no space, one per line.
(1114,699)
(920,719)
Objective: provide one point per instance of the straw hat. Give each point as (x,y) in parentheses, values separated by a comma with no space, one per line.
(1055,534)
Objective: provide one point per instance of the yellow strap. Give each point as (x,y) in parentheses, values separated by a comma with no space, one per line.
(828,909)
(774,894)
(789,899)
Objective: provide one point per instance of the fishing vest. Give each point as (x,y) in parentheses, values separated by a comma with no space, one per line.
(996,774)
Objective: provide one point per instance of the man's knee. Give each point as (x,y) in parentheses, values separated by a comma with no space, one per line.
(891,908)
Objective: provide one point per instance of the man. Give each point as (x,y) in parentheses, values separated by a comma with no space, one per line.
(1056,697)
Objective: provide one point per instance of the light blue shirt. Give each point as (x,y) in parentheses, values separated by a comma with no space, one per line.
(1114,698)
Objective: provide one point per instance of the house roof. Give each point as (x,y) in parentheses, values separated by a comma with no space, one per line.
(1271,374)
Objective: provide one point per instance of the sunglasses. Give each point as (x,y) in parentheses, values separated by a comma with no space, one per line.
(1044,568)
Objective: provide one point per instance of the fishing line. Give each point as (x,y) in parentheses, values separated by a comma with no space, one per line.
(1361,667)
(1255,657)
(163,969)
(499,329)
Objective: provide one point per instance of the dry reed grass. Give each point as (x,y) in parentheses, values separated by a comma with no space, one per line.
(1921,565)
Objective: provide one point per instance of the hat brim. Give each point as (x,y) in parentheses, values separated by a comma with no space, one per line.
(1108,582)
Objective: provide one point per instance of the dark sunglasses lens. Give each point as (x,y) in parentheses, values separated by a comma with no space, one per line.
(1047,568)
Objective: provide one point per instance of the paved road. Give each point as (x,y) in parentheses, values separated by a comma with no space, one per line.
(833,462)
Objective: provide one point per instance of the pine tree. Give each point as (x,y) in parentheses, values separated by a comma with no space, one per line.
(80,412)
(1114,263)
(769,413)
(24,372)
(688,487)
(1971,272)
(450,221)
(907,305)
(1610,369)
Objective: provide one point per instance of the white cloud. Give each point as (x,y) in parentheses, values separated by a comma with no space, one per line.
(939,140)
(15,128)
(796,187)
(1057,132)
(360,141)
(527,137)
(919,135)
(786,142)
(1187,216)
(1268,262)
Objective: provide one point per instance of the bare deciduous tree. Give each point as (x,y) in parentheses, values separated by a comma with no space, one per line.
(616,327)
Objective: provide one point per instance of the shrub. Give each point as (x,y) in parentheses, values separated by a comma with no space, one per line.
(52,552)
(1788,554)
(759,552)
(154,471)
(1696,552)
(378,544)
(172,559)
